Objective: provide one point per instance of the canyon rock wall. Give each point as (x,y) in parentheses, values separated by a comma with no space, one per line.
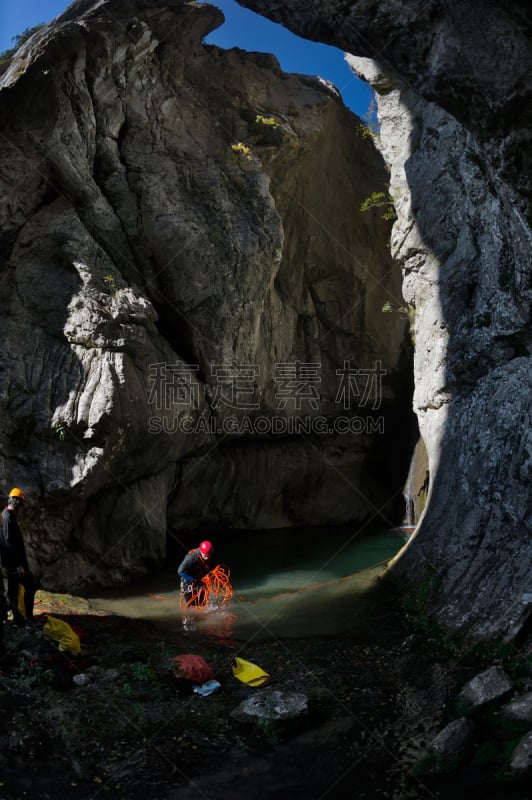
(180,239)
(453,90)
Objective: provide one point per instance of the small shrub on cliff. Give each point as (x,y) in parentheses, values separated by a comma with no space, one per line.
(241,156)
(110,284)
(379,200)
(368,127)
(60,431)
(365,132)
(265,130)
(241,149)
(18,40)
(406,312)
(268,121)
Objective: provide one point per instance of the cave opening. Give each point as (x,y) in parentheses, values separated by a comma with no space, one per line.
(388,461)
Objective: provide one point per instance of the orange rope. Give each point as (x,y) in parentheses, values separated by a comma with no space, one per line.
(215,590)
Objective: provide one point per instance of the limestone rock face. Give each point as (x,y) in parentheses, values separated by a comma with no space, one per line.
(453,89)
(462,242)
(473,60)
(179,224)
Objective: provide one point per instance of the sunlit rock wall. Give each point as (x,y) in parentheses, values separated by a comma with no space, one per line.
(453,87)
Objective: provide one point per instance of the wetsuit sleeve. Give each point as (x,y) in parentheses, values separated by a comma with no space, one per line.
(183,568)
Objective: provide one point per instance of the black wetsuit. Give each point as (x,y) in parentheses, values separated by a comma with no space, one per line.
(13,555)
(192,569)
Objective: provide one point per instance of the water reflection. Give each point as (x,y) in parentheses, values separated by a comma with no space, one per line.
(218,624)
(320,589)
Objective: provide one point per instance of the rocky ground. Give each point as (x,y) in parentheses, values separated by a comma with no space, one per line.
(134,731)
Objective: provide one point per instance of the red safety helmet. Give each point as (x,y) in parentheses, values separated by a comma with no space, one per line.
(205,549)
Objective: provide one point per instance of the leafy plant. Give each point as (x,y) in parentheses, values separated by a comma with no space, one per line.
(143,672)
(405,311)
(363,131)
(269,121)
(242,149)
(32,673)
(379,200)
(60,431)
(110,283)
(368,127)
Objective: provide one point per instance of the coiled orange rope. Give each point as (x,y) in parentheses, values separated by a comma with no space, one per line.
(215,590)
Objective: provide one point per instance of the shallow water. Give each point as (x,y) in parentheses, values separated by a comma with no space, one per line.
(286,584)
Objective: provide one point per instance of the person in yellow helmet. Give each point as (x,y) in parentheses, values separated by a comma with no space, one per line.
(14,560)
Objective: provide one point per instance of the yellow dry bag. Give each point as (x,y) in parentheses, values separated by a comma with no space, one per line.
(249,673)
(61,631)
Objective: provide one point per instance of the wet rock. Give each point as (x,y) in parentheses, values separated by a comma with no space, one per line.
(274,704)
(81,680)
(452,738)
(520,709)
(277,712)
(521,760)
(449,749)
(109,675)
(484,689)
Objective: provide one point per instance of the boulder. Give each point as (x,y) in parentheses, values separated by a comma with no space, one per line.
(521,760)
(485,689)
(519,709)
(277,712)
(449,749)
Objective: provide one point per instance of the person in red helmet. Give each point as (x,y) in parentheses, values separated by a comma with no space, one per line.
(14,560)
(194,567)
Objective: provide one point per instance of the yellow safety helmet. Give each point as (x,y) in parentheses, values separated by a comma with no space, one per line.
(18,493)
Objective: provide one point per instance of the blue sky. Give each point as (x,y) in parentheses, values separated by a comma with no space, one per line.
(242,29)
